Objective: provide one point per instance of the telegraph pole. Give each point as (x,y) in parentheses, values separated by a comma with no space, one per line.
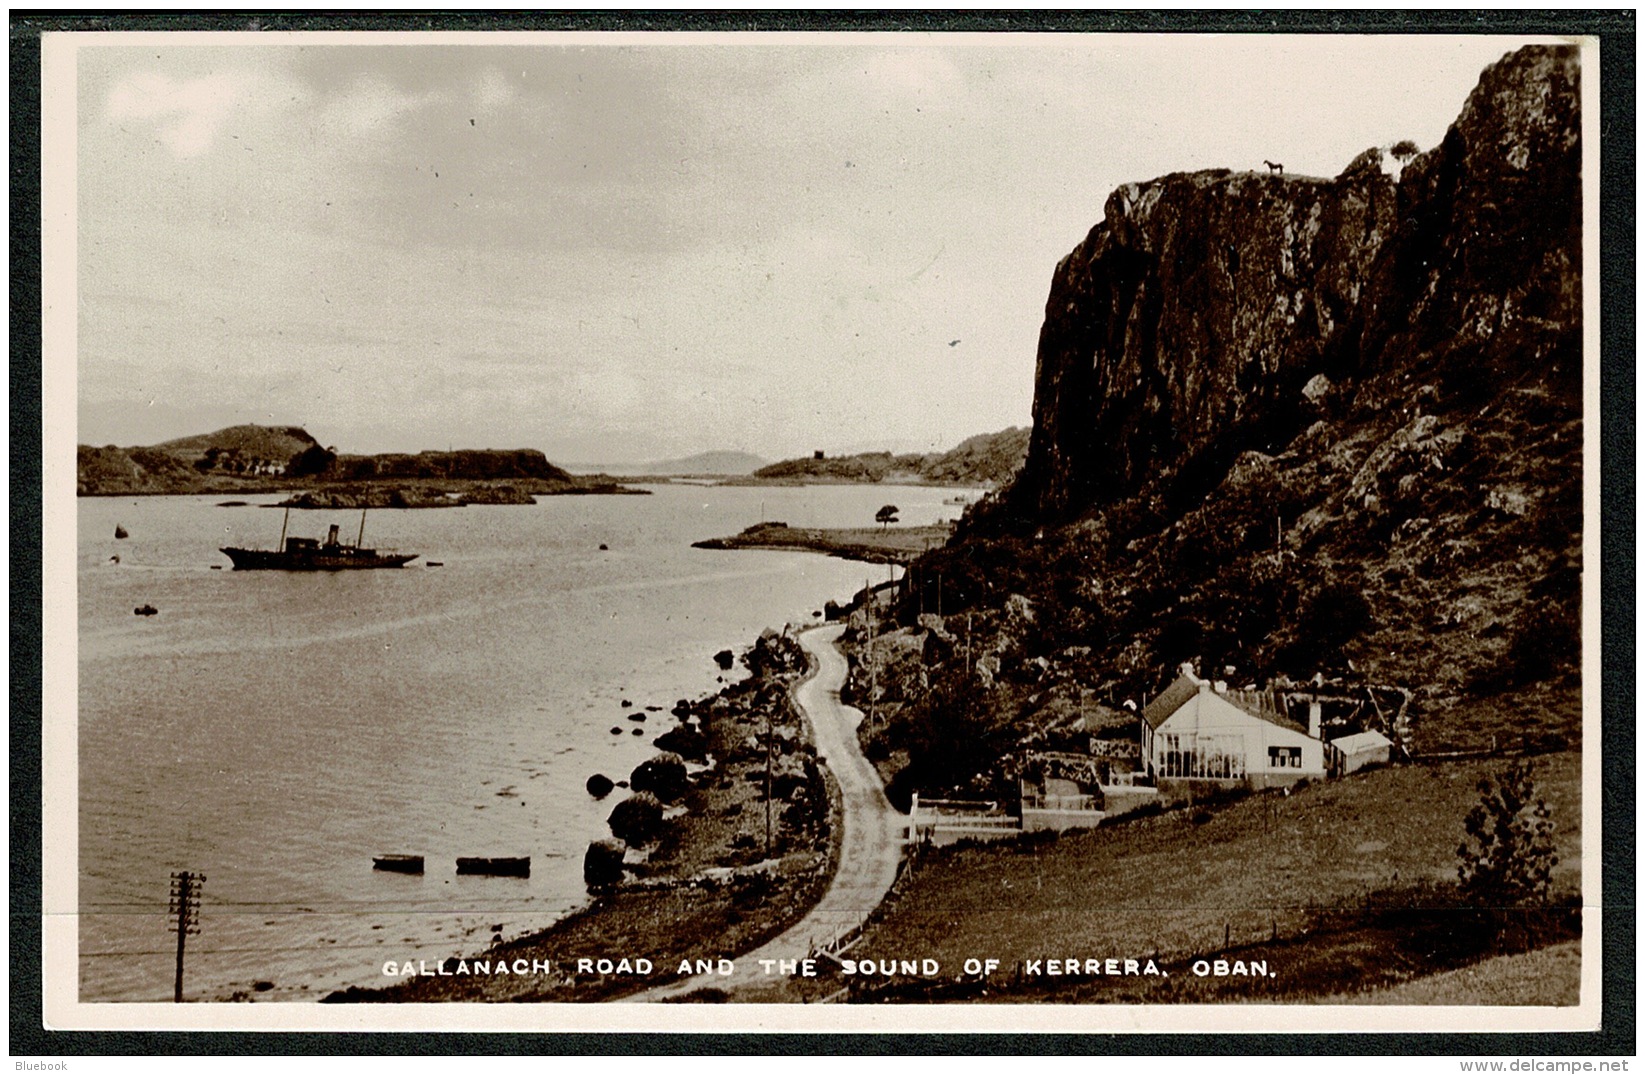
(768,783)
(185,906)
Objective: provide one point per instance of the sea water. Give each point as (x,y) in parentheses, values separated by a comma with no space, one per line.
(274,731)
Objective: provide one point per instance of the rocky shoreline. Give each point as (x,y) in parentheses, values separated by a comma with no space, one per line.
(695,871)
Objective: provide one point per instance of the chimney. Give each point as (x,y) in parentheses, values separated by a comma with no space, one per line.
(1313,719)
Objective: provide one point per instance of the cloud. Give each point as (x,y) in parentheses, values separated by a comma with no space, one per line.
(371,106)
(492,90)
(187,112)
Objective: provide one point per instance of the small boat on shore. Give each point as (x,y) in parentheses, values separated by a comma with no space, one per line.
(496,867)
(307,554)
(398,863)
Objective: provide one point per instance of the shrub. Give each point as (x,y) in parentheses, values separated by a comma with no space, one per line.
(1334,616)
(663,776)
(1507,856)
(637,820)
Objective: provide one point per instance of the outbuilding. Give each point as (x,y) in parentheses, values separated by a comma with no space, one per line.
(1354,752)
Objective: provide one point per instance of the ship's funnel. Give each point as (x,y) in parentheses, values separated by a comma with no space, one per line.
(331,535)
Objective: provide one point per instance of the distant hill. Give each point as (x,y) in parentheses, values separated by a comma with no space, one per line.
(986,459)
(248,441)
(706,464)
(239,458)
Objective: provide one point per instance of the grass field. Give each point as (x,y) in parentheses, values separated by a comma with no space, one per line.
(1258,876)
(1545,976)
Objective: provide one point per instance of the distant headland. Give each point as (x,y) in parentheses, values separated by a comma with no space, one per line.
(986,459)
(273,459)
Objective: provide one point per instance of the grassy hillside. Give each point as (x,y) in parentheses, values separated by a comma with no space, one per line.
(1550,975)
(1339,883)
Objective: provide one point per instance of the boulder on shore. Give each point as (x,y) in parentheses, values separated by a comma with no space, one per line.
(603,864)
(599,785)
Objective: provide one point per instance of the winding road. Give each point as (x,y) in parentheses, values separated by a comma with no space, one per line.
(872,829)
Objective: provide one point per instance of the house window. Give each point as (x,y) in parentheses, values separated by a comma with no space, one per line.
(1284,757)
(1207,757)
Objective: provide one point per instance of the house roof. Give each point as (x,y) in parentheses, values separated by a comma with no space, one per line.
(1186,686)
(1353,744)
(1171,699)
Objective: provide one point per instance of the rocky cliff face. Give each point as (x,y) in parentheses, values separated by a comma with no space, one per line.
(1187,325)
(1293,425)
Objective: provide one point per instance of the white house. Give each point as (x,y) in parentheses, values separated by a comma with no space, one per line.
(1199,730)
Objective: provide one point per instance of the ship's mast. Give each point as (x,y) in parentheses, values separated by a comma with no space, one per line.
(360,539)
(283,523)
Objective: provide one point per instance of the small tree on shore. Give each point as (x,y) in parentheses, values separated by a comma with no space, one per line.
(1507,857)
(887,514)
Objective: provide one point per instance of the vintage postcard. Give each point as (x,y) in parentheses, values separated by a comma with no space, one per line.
(821,531)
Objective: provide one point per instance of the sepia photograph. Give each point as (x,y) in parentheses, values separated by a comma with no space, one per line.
(824,531)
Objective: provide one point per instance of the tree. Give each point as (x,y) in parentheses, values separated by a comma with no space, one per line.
(311,460)
(887,514)
(1403,149)
(1508,853)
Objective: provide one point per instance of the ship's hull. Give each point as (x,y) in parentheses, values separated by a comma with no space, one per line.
(343,559)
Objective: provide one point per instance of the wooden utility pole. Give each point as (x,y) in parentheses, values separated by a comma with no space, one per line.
(185,906)
(873,668)
(768,783)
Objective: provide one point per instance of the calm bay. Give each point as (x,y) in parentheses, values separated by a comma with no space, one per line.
(276,730)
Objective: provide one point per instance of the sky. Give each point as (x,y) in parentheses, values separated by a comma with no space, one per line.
(620,250)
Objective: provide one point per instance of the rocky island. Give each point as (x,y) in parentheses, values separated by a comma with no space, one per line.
(267,459)
(885,545)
